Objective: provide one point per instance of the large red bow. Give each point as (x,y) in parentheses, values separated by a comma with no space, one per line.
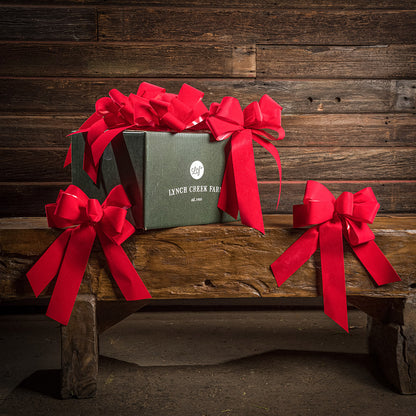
(69,253)
(347,215)
(239,191)
(150,109)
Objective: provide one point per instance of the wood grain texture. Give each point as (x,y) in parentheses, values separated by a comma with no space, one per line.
(375,62)
(323,163)
(213,261)
(302,130)
(34,165)
(393,345)
(55,95)
(271,25)
(38,131)
(127,60)
(79,350)
(343,71)
(345,130)
(296,4)
(41,24)
(22,199)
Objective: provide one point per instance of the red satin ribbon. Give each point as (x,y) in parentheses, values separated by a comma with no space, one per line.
(347,215)
(152,108)
(239,191)
(69,253)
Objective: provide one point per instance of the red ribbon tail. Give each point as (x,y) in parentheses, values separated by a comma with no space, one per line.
(68,158)
(333,275)
(295,256)
(245,177)
(227,200)
(376,263)
(123,270)
(71,273)
(275,153)
(46,268)
(103,140)
(88,165)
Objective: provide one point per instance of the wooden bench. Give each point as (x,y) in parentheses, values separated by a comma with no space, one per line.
(218,261)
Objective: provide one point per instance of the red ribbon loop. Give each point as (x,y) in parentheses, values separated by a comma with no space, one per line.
(150,109)
(347,215)
(239,191)
(68,255)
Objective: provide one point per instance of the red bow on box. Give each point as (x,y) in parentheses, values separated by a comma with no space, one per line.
(347,215)
(69,253)
(239,190)
(150,109)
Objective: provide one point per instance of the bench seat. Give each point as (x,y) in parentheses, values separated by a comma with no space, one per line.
(218,261)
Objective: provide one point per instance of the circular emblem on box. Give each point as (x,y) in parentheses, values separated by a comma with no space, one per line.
(197,169)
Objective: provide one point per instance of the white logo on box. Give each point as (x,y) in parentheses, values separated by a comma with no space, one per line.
(197,170)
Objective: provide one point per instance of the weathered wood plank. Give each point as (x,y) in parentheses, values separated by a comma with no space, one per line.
(296,96)
(385,61)
(316,130)
(325,163)
(127,60)
(79,350)
(285,4)
(322,163)
(338,130)
(251,276)
(393,344)
(271,25)
(35,165)
(38,131)
(48,23)
(29,199)
(214,261)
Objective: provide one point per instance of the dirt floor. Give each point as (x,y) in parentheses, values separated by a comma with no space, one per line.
(196,363)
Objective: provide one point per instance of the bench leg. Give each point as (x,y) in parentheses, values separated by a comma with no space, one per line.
(392,342)
(79,350)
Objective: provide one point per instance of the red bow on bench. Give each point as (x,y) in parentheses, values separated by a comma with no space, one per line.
(347,215)
(70,252)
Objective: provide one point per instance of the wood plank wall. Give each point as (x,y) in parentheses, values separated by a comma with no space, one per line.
(344,72)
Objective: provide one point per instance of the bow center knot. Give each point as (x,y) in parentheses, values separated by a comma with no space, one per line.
(94,211)
(344,204)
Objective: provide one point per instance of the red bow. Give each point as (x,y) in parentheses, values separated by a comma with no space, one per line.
(69,253)
(239,191)
(347,215)
(150,109)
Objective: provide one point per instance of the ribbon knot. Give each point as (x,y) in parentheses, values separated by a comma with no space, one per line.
(344,204)
(94,210)
(239,190)
(150,109)
(68,255)
(332,218)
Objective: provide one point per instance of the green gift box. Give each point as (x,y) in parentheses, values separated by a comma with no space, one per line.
(171,179)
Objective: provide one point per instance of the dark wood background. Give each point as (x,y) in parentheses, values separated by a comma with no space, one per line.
(344,72)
